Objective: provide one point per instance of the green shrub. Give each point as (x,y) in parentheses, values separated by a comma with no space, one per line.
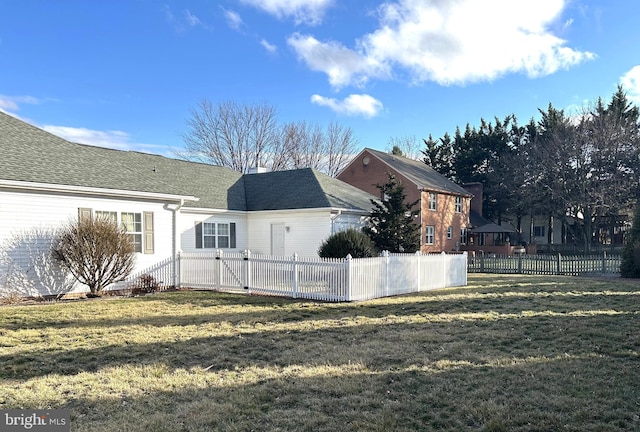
(349,242)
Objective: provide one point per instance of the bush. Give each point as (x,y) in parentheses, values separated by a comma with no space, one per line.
(350,242)
(96,252)
(145,284)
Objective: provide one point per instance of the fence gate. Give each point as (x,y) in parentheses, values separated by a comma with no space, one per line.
(231,272)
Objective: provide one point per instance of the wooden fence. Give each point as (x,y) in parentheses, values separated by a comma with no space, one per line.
(558,264)
(337,280)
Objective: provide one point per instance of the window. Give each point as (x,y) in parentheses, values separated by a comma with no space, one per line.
(223,235)
(458,204)
(538,231)
(139,226)
(209,235)
(212,235)
(107,215)
(464,236)
(450,232)
(429,234)
(132,223)
(433,201)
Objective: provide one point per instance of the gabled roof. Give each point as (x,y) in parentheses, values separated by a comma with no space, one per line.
(30,154)
(301,189)
(421,174)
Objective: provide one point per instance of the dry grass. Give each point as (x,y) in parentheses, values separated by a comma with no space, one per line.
(505,353)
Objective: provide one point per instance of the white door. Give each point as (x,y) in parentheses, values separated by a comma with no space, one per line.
(277,239)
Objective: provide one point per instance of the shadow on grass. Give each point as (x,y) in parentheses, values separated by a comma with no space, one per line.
(385,343)
(281,310)
(572,394)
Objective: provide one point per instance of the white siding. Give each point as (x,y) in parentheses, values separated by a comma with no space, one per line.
(23,212)
(304,230)
(186,227)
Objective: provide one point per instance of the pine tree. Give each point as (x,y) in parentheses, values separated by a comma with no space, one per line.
(391,224)
(630,265)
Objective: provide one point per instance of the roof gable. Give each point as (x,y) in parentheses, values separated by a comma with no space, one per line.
(302,188)
(421,174)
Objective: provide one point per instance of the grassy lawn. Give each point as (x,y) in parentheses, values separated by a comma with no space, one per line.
(505,353)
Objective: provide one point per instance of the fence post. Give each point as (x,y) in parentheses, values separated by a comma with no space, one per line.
(349,283)
(295,275)
(218,269)
(177,272)
(559,264)
(604,262)
(247,269)
(520,263)
(418,254)
(445,269)
(481,261)
(385,260)
(465,267)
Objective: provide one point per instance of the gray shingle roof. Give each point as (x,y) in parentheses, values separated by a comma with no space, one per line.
(420,173)
(301,189)
(33,155)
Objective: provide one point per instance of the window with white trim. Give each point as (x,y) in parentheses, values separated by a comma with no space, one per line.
(209,235)
(107,216)
(132,223)
(458,204)
(430,234)
(433,201)
(138,226)
(538,231)
(215,235)
(450,233)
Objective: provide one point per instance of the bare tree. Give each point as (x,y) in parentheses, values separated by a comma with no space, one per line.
(244,136)
(339,149)
(232,135)
(97,252)
(408,145)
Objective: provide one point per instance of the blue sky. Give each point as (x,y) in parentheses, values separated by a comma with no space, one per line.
(126,73)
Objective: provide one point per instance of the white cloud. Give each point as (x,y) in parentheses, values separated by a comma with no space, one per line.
(352,105)
(191,19)
(268,46)
(301,11)
(448,42)
(234,20)
(113,139)
(342,65)
(181,23)
(12,103)
(631,83)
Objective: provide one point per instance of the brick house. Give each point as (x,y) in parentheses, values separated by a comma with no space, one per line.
(444,205)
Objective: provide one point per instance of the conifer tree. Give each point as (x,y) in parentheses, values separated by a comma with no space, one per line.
(630,265)
(392,224)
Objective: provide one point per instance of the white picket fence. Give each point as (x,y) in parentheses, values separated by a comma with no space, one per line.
(336,280)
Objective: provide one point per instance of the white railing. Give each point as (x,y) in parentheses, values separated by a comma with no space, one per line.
(346,279)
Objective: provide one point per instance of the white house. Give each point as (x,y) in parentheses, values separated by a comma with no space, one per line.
(167,205)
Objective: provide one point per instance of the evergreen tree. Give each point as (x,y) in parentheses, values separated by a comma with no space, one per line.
(391,224)
(630,265)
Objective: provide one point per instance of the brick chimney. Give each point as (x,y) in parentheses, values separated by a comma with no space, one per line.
(476,201)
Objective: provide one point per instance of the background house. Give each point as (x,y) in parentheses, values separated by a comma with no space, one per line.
(167,205)
(444,205)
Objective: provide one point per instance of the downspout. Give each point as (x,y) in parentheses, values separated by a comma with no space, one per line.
(176,241)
